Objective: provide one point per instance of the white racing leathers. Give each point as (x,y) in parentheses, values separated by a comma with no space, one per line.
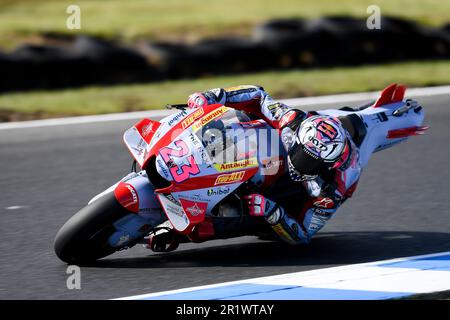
(294,222)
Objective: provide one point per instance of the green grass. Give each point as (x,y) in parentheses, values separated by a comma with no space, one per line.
(284,84)
(189,19)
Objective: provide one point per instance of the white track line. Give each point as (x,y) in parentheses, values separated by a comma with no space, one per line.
(295,102)
(338,277)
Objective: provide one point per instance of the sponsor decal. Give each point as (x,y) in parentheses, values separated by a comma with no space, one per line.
(195,209)
(138,151)
(174,211)
(210,116)
(218,192)
(136,143)
(230,178)
(205,158)
(191,118)
(241,164)
(252,124)
(278,228)
(172,199)
(317,144)
(195,197)
(287,118)
(279,112)
(133,192)
(177,210)
(193,139)
(147,129)
(273,106)
(327,129)
(316,223)
(127,196)
(322,213)
(177,117)
(326,203)
(162,168)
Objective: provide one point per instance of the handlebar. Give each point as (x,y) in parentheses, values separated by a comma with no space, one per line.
(181,106)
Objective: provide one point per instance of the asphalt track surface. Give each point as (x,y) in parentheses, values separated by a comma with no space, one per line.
(401,208)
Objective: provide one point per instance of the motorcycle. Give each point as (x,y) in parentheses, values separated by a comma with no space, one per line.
(196,165)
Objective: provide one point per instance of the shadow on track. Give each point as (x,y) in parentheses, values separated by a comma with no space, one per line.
(325,249)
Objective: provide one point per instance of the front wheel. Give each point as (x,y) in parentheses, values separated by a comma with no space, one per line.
(84,237)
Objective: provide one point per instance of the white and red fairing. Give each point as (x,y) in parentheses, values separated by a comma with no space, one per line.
(389,121)
(195,183)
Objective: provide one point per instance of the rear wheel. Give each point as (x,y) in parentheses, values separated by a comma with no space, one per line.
(84,237)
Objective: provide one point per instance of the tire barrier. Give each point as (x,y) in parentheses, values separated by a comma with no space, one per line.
(277,44)
(86,61)
(348,41)
(207,57)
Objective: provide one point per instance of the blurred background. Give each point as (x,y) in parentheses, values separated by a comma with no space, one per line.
(141,54)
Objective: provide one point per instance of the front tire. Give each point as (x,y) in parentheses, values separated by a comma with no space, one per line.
(84,237)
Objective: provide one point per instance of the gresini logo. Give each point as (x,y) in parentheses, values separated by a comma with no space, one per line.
(236,165)
(146,130)
(195,210)
(230,177)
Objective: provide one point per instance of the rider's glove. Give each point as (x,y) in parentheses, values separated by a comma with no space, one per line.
(312,188)
(162,240)
(260,206)
(197,100)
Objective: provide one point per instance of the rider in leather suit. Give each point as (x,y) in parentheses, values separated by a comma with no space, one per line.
(322,161)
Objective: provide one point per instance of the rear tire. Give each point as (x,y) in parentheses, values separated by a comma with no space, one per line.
(84,237)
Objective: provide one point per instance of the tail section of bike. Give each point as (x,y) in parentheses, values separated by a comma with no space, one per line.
(389,125)
(387,122)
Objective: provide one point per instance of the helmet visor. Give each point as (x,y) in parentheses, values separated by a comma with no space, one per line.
(305,162)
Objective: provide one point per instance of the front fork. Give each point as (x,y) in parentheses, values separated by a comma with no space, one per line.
(136,194)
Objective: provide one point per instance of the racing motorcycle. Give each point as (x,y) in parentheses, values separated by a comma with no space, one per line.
(187,188)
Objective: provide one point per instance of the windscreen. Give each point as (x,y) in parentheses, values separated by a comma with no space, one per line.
(226,139)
